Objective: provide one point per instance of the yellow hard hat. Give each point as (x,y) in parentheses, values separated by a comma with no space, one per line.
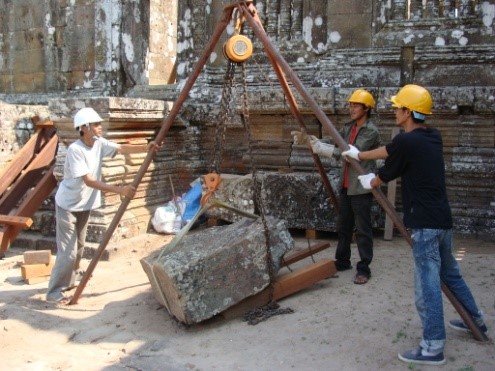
(414,97)
(362,96)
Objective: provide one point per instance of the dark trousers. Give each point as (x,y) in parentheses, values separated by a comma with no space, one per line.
(355,211)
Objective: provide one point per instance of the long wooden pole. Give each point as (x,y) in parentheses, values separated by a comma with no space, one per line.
(299,118)
(250,13)
(166,124)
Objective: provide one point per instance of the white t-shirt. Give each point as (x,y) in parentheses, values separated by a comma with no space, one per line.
(73,194)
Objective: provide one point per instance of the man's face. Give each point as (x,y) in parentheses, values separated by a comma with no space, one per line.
(401,115)
(96,129)
(357,111)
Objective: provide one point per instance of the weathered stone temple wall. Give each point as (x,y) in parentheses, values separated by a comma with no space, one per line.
(60,51)
(335,47)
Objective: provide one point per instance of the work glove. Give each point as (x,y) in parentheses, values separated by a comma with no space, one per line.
(352,152)
(300,137)
(320,148)
(366,180)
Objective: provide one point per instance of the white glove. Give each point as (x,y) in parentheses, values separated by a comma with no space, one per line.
(366,180)
(320,148)
(299,137)
(352,152)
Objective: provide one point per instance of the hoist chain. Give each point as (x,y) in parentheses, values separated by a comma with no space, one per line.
(256,315)
(256,180)
(225,113)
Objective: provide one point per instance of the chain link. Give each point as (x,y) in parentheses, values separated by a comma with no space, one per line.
(256,180)
(225,113)
(256,315)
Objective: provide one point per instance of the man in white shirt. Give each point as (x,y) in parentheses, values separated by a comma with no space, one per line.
(79,193)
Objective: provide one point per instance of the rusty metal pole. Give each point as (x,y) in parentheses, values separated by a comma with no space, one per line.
(251,17)
(166,124)
(250,13)
(297,114)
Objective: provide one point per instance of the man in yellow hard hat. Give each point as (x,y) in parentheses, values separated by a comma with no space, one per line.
(354,201)
(416,155)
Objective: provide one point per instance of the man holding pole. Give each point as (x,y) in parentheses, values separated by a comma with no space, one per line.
(355,202)
(416,155)
(79,193)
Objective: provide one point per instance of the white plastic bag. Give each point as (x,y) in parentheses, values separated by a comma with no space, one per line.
(167,219)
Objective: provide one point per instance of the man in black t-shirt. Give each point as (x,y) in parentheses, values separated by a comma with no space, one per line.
(416,155)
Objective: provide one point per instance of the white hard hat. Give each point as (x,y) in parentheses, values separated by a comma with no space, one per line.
(86,116)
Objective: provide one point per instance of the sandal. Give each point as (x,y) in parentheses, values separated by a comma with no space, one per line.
(59,300)
(63,302)
(361,279)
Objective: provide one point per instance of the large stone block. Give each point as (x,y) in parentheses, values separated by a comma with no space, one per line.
(237,191)
(210,270)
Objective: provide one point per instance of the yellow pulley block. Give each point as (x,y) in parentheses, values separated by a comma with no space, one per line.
(238,48)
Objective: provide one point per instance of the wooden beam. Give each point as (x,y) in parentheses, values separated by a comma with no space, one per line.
(297,255)
(302,278)
(391,194)
(37,270)
(28,207)
(18,162)
(284,286)
(30,176)
(18,221)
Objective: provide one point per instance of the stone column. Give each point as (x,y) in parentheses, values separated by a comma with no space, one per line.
(399,10)
(416,10)
(431,9)
(297,19)
(315,24)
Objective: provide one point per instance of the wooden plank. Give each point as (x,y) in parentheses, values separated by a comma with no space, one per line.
(35,280)
(297,255)
(303,278)
(46,123)
(284,286)
(36,270)
(311,234)
(29,206)
(391,195)
(18,162)
(18,221)
(30,176)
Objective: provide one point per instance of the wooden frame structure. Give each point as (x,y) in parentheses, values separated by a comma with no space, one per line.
(26,182)
(249,14)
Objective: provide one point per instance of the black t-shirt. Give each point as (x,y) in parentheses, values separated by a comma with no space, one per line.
(417,158)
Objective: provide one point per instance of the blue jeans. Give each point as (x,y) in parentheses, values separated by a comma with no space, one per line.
(434,262)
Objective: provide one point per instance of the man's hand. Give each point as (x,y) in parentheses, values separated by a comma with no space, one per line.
(366,180)
(300,137)
(352,152)
(320,148)
(152,146)
(127,191)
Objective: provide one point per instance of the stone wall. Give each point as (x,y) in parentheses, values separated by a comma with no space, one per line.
(57,49)
(334,48)
(16,127)
(117,48)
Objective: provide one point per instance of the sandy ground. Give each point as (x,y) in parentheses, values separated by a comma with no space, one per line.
(336,325)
